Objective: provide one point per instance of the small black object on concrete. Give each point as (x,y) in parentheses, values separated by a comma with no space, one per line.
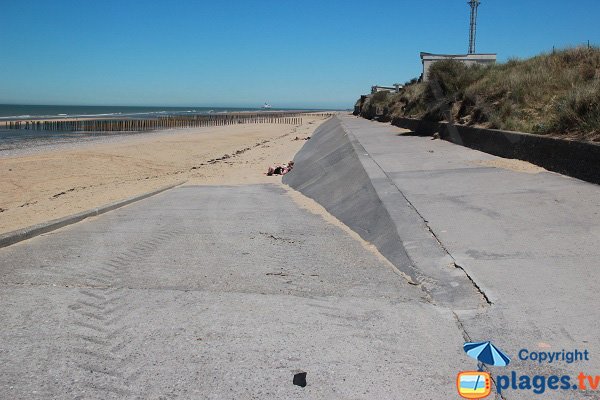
(300,379)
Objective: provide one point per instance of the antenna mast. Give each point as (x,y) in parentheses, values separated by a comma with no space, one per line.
(473,31)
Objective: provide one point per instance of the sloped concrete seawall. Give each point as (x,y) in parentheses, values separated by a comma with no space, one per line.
(334,169)
(522,241)
(329,171)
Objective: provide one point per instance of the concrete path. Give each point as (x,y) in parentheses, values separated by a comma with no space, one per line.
(531,242)
(216,293)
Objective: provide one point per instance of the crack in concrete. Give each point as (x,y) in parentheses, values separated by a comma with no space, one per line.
(467,338)
(461,328)
(426,223)
(477,287)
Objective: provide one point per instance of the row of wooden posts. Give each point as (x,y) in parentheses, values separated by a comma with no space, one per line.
(191,121)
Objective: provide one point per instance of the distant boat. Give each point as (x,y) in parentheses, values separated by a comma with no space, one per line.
(266,106)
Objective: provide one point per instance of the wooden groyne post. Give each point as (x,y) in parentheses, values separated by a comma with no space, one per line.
(166,122)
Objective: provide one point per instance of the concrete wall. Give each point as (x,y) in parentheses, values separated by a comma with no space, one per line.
(334,169)
(429,59)
(577,159)
(328,170)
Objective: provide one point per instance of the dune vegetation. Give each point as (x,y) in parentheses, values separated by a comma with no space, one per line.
(556,94)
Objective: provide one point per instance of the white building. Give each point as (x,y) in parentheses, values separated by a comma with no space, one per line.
(469,59)
(392,89)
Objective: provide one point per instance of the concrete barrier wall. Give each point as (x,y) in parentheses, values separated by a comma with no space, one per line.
(328,170)
(334,169)
(577,159)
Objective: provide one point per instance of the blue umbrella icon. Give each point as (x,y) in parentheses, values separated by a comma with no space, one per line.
(486,353)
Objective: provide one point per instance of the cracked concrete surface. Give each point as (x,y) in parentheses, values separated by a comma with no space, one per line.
(527,239)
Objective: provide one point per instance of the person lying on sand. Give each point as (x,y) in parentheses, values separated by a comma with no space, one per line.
(280,169)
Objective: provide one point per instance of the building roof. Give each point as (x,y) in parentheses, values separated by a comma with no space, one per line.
(424,54)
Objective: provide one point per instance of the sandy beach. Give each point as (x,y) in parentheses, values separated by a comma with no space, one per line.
(72,178)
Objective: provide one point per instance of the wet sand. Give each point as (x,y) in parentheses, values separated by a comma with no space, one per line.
(70,178)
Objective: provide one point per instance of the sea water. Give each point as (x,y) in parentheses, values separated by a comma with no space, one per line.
(13,141)
(11,112)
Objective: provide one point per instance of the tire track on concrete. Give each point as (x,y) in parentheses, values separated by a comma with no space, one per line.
(104,349)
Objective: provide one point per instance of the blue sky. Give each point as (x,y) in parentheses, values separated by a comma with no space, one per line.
(242,53)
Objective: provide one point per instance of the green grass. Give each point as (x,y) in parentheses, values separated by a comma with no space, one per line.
(555,94)
(376,106)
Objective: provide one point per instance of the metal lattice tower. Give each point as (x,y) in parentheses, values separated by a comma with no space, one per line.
(473,31)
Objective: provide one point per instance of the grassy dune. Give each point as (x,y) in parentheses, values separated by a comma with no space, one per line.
(555,94)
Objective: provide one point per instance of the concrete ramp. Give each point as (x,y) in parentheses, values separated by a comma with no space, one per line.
(335,170)
(216,293)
